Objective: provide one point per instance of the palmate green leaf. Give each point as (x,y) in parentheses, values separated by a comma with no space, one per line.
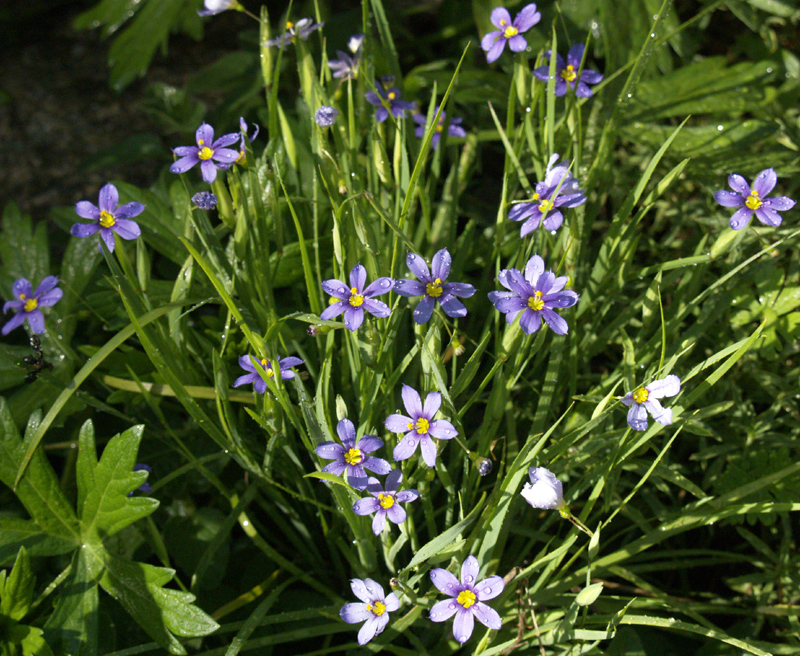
(24,252)
(16,589)
(73,626)
(16,533)
(104,506)
(162,612)
(38,489)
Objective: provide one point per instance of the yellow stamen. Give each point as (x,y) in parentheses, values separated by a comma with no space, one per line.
(387,500)
(641,395)
(354,457)
(753,202)
(30,304)
(434,288)
(205,153)
(535,302)
(439,128)
(510,31)
(392,95)
(106,220)
(356,299)
(535,196)
(466,598)
(422,426)
(289,25)
(270,371)
(545,206)
(569,73)
(377,608)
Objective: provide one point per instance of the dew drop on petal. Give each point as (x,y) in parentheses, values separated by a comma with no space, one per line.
(451,606)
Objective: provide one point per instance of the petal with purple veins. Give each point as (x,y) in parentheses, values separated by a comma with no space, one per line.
(109,198)
(336,468)
(489,588)
(668,386)
(658,412)
(590,76)
(487,616)
(397,423)
(768,216)
(129,210)
(517,43)
(765,182)
(470,569)
(376,308)
(440,265)
(780,203)
(739,185)
(366,506)
(416,264)
(407,496)
(443,610)
(208,170)
(204,135)
(355,613)
(379,521)
(463,625)
(378,287)
(557,324)
(424,310)
(442,429)
(412,401)
(729,198)
(35,321)
(84,229)
(409,288)
(107,235)
(369,443)
(51,297)
(445,582)
(452,306)
(87,210)
(500,18)
(637,417)
(127,229)
(393,481)
(336,288)
(353,318)
(432,404)
(15,322)
(406,447)
(333,310)
(428,449)
(184,164)
(330,450)
(741,218)
(396,514)
(530,321)
(377,465)
(346,432)
(226,140)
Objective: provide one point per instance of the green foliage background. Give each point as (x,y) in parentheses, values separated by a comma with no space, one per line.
(694,539)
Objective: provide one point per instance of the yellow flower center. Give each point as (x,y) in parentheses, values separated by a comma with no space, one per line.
(356,299)
(289,25)
(421,426)
(753,202)
(270,371)
(392,95)
(569,73)
(106,220)
(354,457)
(377,608)
(510,31)
(30,303)
(466,598)
(535,196)
(434,288)
(387,500)
(545,206)
(205,153)
(440,128)
(641,395)
(535,302)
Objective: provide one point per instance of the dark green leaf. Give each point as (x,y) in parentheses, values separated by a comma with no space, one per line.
(17,592)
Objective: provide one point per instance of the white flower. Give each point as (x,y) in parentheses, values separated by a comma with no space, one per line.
(645,399)
(544,491)
(217,6)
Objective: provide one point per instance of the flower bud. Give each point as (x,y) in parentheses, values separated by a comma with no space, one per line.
(544,491)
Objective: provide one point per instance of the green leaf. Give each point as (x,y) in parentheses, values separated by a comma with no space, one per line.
(103,502)
(16,533)
(24,251)
(16,591)
(73,626)
(38,489)
(33,643)
(443,541)
(162,612)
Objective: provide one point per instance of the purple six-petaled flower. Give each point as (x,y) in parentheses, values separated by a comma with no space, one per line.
(495,42)
(567,74)
(108,218)
(346,67)
(384,502)
(467,599)
(454,129)
(420,427)
(433,287)
(753,201)
(558,189)
(645,399)
(374,611)
(537,295)
(264,366)
(351,455)
(302,29)
(210,154)
(28,303)
(353,300)
(391,96)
